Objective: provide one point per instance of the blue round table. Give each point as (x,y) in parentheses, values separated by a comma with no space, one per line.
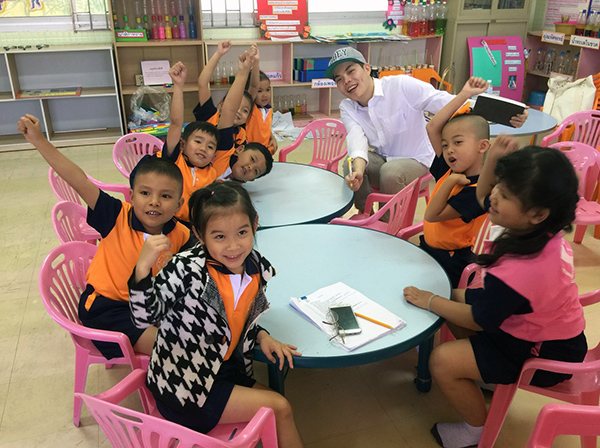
(308,257)
(294,193)
(537,122)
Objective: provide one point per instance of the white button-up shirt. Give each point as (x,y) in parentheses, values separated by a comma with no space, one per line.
(393,123)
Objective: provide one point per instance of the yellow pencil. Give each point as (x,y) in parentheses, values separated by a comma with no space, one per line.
(370,319)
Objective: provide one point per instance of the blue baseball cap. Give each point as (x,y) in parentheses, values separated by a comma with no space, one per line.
(344,54)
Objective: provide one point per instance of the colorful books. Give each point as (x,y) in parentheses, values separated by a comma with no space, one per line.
(48,93)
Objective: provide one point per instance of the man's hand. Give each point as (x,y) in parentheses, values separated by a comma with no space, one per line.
(519,120)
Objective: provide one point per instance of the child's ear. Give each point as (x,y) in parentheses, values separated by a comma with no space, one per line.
(180,204)
(197,236)
(255,226)
(538,215)
(239,149)
(484,145)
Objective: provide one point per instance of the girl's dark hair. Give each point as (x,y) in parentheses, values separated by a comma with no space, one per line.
(218,199)
(540,178)
(203,126)
(262,76)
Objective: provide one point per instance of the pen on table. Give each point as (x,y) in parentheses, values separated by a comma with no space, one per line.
(370,319)
(350,167)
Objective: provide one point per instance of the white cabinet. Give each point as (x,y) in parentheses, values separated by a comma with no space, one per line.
(92,117)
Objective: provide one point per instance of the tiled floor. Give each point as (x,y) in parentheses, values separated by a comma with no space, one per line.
(374,405)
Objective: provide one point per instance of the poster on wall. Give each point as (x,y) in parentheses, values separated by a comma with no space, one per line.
(499,59)
(555,9)
(31,8)
(283,19)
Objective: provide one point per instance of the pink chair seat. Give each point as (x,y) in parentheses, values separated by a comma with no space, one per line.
(62,280)
(329,143)
(69,221)
(126,428)
(65,192)
(561,418)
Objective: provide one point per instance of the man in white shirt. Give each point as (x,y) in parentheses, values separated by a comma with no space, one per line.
(386,115)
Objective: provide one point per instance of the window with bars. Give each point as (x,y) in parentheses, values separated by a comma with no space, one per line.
(226,13)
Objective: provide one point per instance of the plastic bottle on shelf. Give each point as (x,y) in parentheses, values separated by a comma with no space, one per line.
(423,18)
(575,65)
(538,65)
(548,62)
(303,106)
(231,73)
(568,63)
(413,24)
(175,26)
(224,79)
(559,65)
(298,107)
(431,17)
(441,18)
(581,22)
(182,28)
(589,26)
(217,75)
(596,25)
(490,88)
(161,28)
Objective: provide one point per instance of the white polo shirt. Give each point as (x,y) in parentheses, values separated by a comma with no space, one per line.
(393,123)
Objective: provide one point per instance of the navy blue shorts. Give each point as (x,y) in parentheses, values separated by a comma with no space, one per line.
(108,314)
(207,417)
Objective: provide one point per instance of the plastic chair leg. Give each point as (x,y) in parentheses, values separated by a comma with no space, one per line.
(503,396)
(579,233)
(80,379)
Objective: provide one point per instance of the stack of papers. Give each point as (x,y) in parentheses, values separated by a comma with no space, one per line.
(315,307)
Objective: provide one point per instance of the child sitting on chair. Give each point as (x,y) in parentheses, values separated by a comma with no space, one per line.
(126,229)
(453,216)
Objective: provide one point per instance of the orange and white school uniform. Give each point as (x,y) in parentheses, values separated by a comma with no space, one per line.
(104,303)
(259,126)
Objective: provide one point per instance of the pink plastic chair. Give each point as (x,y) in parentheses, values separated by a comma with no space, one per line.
(423,187)
(65,192)
(561,418)
(586,161)
(127,428)
(130,148)
(69,221)
(329,140)
(62,280)
(582,388)
(585,126)
(401,208)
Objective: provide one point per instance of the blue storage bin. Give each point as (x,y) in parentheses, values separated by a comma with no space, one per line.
(536,98)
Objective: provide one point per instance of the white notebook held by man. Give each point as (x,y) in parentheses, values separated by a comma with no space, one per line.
(374,321)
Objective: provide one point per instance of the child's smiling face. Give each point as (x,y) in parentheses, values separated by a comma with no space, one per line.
(200,148)
(250,164)
(263,96)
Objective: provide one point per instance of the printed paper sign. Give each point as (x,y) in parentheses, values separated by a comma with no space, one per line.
(585,42)
(322,83)
(156,73)
(553,38)
(273,14)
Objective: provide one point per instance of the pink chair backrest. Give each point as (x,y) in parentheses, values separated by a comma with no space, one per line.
(402,208)
(69,221)
(126,428)
(586,128)
(63,279)
(130,148)
(329,140)
(62,189)
(585,161)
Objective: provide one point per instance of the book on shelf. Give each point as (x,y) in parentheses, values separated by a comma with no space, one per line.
(375,321)
(48,93)
(497,109)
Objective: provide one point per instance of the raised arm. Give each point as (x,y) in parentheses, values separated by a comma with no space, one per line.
(255,75)
(207,72)
(473,86)
(178,74)
(502,146)
(30,127)
(236,92)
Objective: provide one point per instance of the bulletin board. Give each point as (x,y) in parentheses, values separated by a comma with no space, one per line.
(283,19)
(500,60)
(32,8)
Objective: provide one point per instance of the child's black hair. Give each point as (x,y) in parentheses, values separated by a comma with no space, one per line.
(479,125)
(540,178)
(218,199)
(263,76)
(203,126)
(246,95)
(265,152)
(157,165)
